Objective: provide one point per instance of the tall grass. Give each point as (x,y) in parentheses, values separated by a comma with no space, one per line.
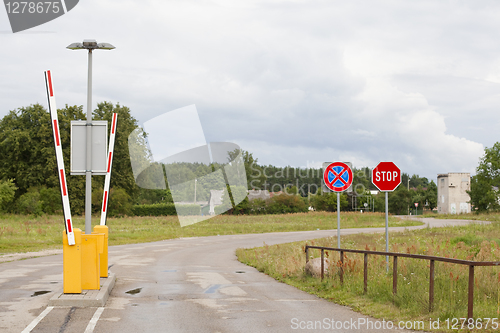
(484,216)
(286,262)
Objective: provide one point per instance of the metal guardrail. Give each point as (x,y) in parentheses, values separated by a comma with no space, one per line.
(432,259)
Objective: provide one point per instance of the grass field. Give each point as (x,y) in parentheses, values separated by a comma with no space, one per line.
(28,233)
(493,217)
(285,262)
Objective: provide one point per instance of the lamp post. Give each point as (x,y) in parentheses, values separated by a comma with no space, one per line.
(195,181)
(90,45)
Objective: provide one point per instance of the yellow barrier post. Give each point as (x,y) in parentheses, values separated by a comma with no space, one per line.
(103,229)
(92,247)
(72,264)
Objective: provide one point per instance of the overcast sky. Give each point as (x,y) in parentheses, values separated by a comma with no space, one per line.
(294,82)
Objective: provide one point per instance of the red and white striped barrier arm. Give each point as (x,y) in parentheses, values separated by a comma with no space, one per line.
(105,196)
(59,157)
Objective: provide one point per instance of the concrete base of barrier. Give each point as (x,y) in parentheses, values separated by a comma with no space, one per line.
(88,298)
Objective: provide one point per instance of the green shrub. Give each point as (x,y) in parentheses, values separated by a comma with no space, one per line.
(165,209)
(186,210)
(328,202)
(257,206)
(51,200)
(148,196)
(120,203)
(220,210)
(279,204)
(39,200)
(239,192)
(284,203)
(7,193)
(205,210)
(29,203)
(242,207)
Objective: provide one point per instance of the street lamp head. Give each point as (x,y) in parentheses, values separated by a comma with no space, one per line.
(90,44)
(105,46)
(75,46)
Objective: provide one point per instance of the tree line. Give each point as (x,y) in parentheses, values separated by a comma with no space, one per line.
(29,182)
(307,182)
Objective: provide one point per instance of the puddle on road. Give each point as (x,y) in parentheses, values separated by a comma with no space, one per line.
(40,292)
(240,272)
(134,291)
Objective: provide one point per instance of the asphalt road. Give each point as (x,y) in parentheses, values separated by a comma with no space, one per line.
(179,285)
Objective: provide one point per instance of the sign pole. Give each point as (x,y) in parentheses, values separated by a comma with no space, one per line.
(88,172)
(387,227)
(386,176)
(338,220)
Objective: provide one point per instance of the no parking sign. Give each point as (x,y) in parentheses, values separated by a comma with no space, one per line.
(337,177)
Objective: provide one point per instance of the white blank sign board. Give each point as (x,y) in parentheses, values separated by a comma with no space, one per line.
(79,147)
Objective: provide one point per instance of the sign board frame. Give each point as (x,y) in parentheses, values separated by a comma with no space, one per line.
(325,189)
(78,158)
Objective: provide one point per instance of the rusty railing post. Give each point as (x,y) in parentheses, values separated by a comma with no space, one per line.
(365,289)
(307,254)
(322,264)
(470,307)
(431,286)
(342,267)
(395,275)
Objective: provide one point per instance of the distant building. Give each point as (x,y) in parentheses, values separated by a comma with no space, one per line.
(452,195)
(215,200)
(258,194)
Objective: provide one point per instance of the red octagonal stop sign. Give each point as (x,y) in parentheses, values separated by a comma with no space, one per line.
(386,176)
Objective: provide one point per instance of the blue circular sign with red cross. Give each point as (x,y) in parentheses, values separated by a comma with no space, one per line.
(337,176)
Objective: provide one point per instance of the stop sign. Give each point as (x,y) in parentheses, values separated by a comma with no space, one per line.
(386,176)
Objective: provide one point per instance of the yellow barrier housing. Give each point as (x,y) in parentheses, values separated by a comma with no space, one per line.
(103,229)
(85,262)
(72,264)
(92,247)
